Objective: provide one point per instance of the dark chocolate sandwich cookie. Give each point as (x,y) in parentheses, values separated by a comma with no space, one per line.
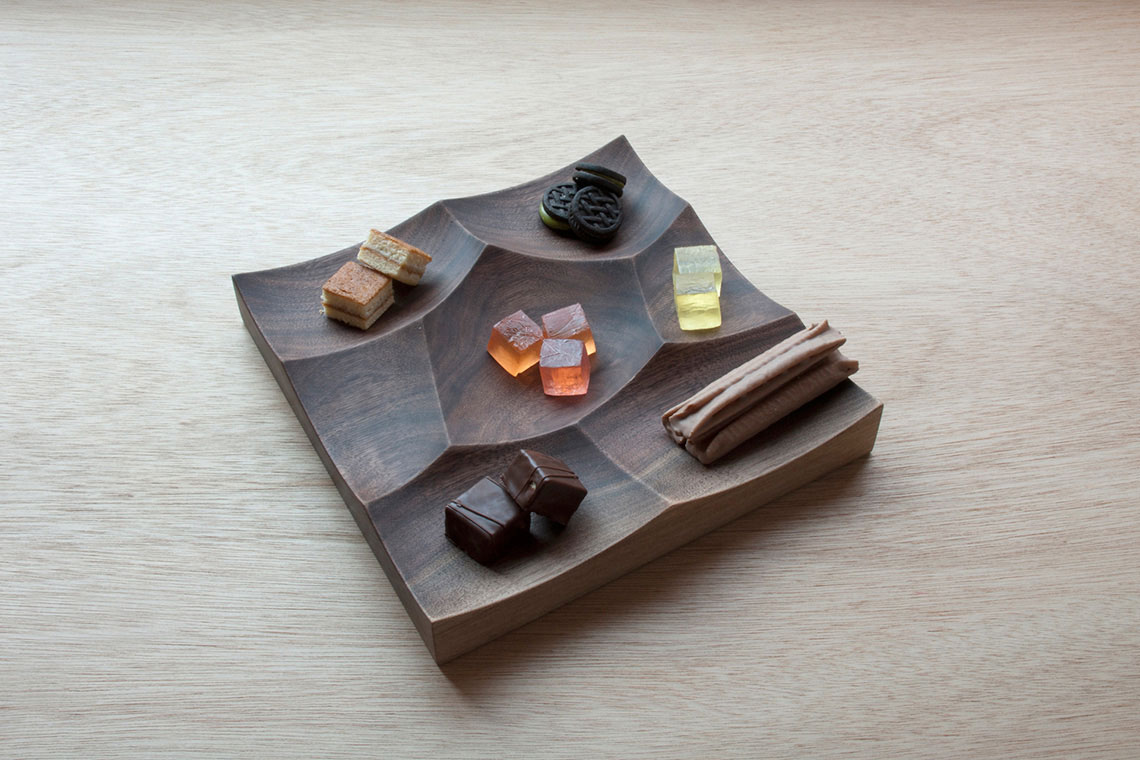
(595,214)
(555,206)
(601,176)
(604,171)
(550,221)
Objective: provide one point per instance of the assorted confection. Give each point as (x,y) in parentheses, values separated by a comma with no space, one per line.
(561,348)
(493,515)
(696,286)
(393,257)
(690,259)
(599,176)
(485,521)
(554,210)
(735,407)
(544,485)
(698,305)
(515,343)
(565,367)
(356,295)
(570,323)
(360,291)
(589,207)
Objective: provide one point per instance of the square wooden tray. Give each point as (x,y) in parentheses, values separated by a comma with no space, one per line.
(410,413)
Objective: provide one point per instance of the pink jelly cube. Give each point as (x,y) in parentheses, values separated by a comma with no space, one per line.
(569,322)
(515,342)
(565,367)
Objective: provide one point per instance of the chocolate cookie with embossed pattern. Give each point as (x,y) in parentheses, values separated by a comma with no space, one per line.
(555,206)
(595,214)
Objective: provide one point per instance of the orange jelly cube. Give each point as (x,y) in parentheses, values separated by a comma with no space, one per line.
(515,342)
(565,367)
(569,323)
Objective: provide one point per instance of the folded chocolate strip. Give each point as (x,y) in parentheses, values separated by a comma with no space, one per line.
(726,397)
(751,397)
(766,380)
(712,389)
(824,376)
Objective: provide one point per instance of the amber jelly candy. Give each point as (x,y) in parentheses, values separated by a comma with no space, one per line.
(569,323)
(515,342)
(565,367)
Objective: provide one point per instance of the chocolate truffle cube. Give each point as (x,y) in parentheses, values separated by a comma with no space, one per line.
(484,521)
(543,484)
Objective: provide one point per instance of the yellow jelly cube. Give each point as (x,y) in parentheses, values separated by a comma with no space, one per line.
(697,258)
(698,305)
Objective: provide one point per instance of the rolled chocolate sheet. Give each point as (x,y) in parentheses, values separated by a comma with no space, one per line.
(746,400)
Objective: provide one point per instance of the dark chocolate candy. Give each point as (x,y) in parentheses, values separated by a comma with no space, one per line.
(543,484)
(484,521)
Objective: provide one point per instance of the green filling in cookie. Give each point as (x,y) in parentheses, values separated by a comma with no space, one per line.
(550,221)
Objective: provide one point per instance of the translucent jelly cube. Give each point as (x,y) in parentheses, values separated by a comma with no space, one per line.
(698,305)
(697,258)
(569,323)
(515,342)
(565,367)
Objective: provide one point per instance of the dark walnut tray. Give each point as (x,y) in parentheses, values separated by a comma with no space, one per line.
(413,411)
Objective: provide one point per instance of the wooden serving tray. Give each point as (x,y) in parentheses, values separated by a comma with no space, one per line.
(412,412)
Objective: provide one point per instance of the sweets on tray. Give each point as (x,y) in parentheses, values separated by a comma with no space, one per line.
(589,207)
(599,176)
(561,348)
(569,322)
(695,297)
(492,515)
(356,295)
(595,214)
(565,367)
(393,257)
(515,342)
(688,259)
(743,402)
(554,210)
(484,521)
(361,290)
(544,485)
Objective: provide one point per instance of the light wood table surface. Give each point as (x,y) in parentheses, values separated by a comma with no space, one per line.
(955,186)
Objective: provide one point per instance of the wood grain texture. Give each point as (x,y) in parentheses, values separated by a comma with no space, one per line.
(412,412)
(953,185)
